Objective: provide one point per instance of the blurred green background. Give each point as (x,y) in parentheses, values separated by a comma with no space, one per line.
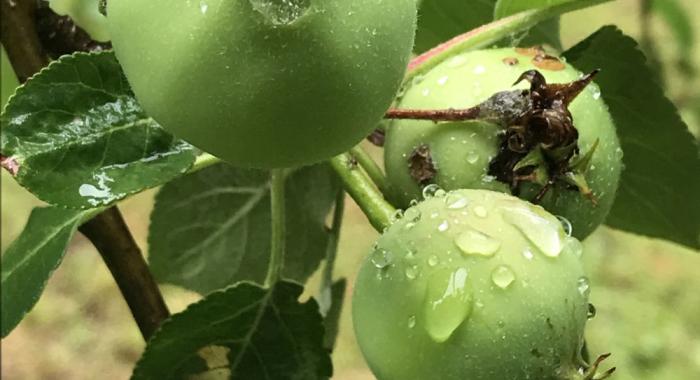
(645,290)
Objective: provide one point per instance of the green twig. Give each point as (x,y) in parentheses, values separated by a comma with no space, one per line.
(277,245)
(362,190)
(371,168)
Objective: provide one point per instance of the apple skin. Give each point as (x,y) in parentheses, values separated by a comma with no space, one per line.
(461,151)
(262,83)
(508,301)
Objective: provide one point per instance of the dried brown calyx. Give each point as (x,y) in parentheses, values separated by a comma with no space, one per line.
(421,166)
(541,144)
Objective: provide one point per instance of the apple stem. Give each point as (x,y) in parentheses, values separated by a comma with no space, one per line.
(370,200)
(371,168)
(450,114)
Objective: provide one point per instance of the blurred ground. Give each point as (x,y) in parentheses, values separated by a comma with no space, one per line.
(645,290)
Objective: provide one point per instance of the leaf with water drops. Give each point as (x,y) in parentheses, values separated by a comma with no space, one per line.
(660,184)
(31,259)
(256,333)
(75,136)
(212,228)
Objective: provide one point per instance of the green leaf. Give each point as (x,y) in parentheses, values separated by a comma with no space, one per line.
(212,228)
(75,136)
(658,193)
(331,321)
(262,334)
(440,20)
(31,259)
(508,7)
(490,34)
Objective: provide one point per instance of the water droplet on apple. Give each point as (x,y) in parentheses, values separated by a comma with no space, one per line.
(502,276)
(543,233)
(448,302)
(473,242)
(456,201)
(584,286)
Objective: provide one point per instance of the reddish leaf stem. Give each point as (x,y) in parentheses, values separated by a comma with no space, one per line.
(434,115)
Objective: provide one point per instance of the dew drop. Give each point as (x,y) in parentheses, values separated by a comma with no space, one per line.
(430,191)
(488,178)
(433,260)
(456,201)
(481,211)
(411,321)
(544,234)
(592,312)
(502,276)
(411,272)
(527,253)
(472,158)
(443,80)
(584,286)
(398,214)
(448,303)
(444,226)
(412,214)
(566,225)
(411,253)
(381,258)
(618,153)
(281,12)
(473,242)
(100,193)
